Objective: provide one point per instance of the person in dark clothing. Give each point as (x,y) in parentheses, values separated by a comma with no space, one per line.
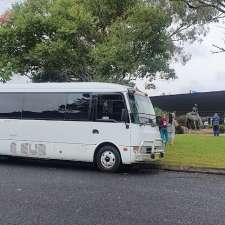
(216,124)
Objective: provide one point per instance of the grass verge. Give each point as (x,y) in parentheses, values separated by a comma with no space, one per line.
(196,151)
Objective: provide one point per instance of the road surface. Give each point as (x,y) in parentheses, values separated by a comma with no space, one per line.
(53,193)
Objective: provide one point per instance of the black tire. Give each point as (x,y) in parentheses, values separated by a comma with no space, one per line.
(108,159)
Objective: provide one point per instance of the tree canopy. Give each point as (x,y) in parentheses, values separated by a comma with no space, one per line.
(98,40)
(218,5)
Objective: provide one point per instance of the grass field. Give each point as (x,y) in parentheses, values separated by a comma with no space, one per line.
(196,151)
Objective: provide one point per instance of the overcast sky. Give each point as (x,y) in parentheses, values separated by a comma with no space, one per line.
(204,72)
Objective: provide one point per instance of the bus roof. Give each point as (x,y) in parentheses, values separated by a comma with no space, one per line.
(64,87)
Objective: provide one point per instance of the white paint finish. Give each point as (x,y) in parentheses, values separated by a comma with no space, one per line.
(64,87)
(71,140)
(7,135)
(115,133)
(140,135)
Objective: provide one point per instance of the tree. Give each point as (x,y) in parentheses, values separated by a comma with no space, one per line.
(92,40)
(4,18)
(218,5)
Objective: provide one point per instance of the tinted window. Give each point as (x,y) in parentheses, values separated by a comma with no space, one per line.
(109,107)
(44,106)
(10,106)
(77,107)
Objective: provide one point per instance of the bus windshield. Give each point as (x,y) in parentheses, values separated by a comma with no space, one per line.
(142,111)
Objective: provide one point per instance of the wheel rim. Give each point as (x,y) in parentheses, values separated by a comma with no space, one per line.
(108,159)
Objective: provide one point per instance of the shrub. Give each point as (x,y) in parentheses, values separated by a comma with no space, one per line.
(222,129)
(179,130)
(160,112)
(181,120)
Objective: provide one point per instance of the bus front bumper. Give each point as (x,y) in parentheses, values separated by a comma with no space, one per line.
(141,158)
(149,151)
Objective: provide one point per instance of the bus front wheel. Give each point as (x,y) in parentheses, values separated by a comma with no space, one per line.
(108,159)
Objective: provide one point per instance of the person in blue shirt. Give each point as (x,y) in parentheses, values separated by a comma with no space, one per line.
(216,124)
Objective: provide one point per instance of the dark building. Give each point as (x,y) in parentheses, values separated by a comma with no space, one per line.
(208,103)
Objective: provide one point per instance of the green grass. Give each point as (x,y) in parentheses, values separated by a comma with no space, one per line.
(196,151)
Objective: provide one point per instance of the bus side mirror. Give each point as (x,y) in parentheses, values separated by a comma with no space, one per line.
(125,116)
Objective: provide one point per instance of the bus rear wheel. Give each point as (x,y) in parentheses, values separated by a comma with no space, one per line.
(108,159)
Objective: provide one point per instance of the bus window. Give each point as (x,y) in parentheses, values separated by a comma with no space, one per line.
(43,106)
(77,107)
(109,107)
(10,106)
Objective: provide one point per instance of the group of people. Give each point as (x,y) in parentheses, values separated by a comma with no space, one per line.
(167,128)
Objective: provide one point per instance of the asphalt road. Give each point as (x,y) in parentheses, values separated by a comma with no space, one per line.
(43,193)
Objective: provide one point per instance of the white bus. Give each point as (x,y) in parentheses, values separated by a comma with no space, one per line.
(107,124)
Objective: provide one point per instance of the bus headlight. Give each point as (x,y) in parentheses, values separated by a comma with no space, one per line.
(136,149)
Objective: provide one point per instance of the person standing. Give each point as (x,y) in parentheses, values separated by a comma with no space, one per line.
(172,128)
(216,124)
(163,129)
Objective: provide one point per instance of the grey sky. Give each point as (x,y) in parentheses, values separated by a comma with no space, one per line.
(6,4)
(204,72)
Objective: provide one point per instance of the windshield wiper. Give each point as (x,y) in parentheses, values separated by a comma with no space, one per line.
(148,121)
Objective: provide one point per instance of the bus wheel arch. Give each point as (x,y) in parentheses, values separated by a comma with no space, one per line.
(107,149)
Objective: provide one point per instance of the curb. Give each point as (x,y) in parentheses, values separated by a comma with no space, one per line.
(191,169)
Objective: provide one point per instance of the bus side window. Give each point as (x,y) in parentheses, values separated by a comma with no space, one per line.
(11,105)
(43,106)
(110,107)
(78,107)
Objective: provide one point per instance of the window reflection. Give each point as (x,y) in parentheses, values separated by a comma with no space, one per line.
(10,105)
(44,106)
(77,107)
